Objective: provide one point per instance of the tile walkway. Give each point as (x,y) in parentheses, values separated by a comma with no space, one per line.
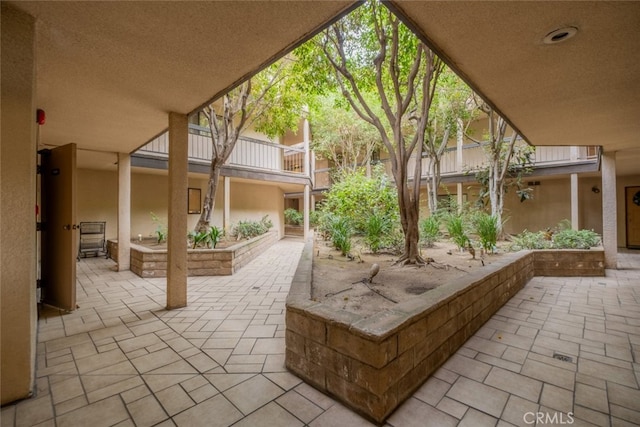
(563,351)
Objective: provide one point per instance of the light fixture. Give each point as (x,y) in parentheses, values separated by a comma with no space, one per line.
(560,35)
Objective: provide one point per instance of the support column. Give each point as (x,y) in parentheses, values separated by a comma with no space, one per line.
(306,132)
(178,185)
(575,218)
(609,210)
(305,211)
(124,211)
(459,147)
(18,247)
(226,212)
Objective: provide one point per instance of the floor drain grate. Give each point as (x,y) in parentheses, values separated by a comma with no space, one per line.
(562,357)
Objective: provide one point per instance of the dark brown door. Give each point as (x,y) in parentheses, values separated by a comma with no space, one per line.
(633,216)
(59,235)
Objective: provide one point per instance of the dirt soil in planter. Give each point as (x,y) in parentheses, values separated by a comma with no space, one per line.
(341,282)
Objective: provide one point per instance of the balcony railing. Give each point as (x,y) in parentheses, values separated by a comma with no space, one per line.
(473,158)
(248,152)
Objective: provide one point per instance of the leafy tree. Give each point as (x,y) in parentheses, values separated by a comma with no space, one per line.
(270,102)
(451,110)
(507,163)
(340,135)
(370,51)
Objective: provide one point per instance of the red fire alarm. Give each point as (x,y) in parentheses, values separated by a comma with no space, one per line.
(40,117)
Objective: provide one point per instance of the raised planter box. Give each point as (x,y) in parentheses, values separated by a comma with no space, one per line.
(147,262)
(373,364)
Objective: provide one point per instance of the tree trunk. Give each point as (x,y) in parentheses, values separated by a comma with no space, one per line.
(204,223)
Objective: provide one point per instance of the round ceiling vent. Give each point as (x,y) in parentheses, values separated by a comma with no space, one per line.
(560,35)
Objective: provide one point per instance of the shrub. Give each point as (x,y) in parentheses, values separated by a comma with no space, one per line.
(487,228)
(215,235)
(357,197)
(430,230)
(248,229)
(161,228)
(377,228)
(341,232)
(293,217)
(208,238)
(314,218)
(529,240)
(575,239)
(456,227)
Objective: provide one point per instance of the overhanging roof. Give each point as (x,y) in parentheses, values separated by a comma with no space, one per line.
(109,72)
(583,91)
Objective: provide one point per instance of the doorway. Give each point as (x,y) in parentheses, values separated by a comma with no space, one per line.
(632,198)
(58,229)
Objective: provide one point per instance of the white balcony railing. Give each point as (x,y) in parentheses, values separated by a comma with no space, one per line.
(248,152)
(473,158)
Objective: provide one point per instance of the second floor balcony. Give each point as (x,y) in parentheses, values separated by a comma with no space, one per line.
(456,167)
(248,153)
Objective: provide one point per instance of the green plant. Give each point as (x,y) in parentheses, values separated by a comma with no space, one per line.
(356,197)
(215,235)
(293,217)
(530,240)
(341,232)
(430,230)
(248,229)
(161,228)
(487,228)
(575,239)
(456,227)
(314,218)
(377,227)
(199,238)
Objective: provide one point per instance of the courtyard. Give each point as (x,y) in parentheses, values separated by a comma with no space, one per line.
(562,351)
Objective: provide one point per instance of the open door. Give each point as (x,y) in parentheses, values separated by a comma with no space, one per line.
(58,230)
(633,216)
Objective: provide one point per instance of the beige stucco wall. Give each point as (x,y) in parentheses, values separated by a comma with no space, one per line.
(551,204)
(17,211)
(97,199)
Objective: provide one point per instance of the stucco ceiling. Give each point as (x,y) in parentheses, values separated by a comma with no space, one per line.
(583,91)
(109,72)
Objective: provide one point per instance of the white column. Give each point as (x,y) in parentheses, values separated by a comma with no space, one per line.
(609,210)
(178,185)
(575,218)
(306,212)
(459,145)
(226,212)
(124,211)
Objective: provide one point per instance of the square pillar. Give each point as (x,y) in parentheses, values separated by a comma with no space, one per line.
(124,211)
(226,208)
(609,210)
(177,234)
(305,212)
(575,218)
(18,306)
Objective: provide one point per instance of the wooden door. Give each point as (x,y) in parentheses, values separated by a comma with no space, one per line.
(59,235)
(633,216)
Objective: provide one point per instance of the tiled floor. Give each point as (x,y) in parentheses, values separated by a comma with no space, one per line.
(564,351)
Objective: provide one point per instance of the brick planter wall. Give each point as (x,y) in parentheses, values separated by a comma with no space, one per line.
(147,262)
(373,364)
(569,263)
